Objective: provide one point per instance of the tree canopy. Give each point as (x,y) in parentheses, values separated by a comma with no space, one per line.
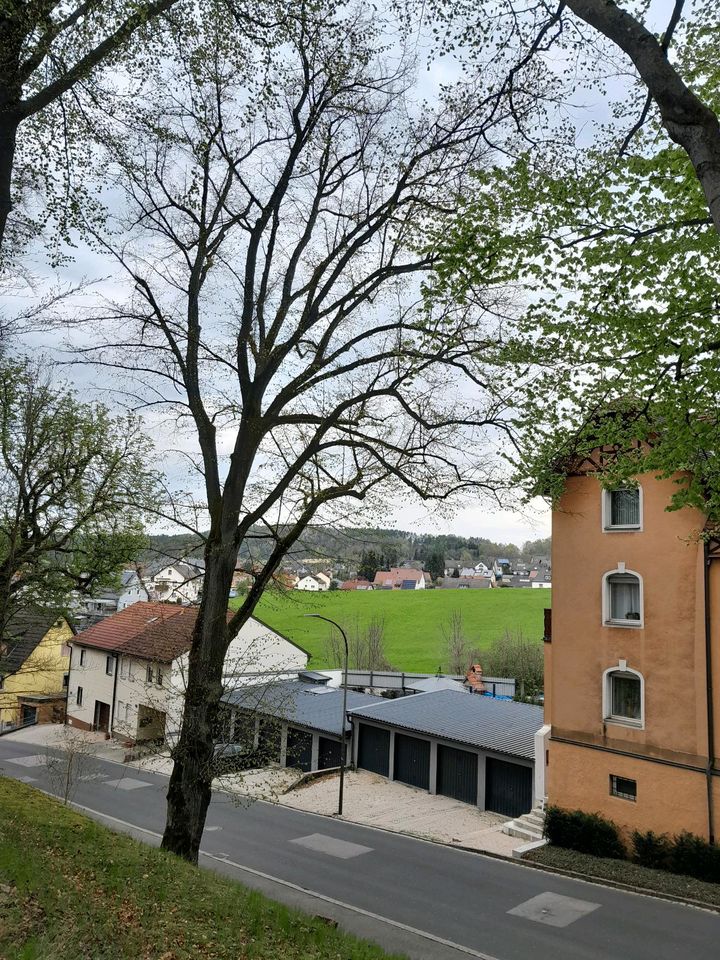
(74,487)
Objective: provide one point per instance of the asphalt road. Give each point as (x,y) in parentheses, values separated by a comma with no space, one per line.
(428,901)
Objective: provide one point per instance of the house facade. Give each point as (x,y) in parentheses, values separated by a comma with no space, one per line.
(401,578)
(128,672)
(34,667)
(170,582)
(632,672)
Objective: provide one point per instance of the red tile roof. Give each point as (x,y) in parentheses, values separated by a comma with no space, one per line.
(153,631)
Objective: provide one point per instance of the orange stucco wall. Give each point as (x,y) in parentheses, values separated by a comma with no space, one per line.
(668,650)
(669,799)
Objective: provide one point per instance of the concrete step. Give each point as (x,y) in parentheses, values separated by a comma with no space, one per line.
(515,828)
(533,818)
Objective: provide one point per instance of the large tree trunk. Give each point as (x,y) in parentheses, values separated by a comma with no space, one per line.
(189,792)
(688,121)
(8,139)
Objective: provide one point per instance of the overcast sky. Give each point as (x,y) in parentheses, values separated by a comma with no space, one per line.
(471,519)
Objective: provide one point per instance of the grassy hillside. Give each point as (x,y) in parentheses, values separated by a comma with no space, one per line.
(70,888)
(413,619)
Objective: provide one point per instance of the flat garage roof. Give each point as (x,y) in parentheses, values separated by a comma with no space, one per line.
(466,718)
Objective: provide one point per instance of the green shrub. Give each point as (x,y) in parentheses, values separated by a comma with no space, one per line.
(695,857)
(584,832)
(652,849)
(685,853)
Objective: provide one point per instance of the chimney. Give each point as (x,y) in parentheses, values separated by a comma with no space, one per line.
(474,679)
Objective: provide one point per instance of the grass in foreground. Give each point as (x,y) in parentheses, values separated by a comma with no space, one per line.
(70,888)
(413,619)
(623,871)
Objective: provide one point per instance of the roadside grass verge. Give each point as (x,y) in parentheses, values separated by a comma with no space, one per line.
(70,888)
(623,871)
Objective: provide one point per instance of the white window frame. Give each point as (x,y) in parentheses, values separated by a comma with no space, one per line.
(608,717)
(607,526)
(607,620)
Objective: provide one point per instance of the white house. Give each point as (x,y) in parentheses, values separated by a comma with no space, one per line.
(173,581)
(311,583)
(128,672)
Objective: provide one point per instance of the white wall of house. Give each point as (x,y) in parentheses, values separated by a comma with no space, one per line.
(308,583)
(170,585)
(134,592)
(91,677)
(254,654)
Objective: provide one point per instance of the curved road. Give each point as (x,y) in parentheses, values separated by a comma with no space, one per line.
(421,899)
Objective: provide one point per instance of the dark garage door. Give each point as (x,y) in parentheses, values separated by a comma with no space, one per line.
(329,753)
(412,761)
(374,749)
(269,741)
(508,787)
(457,774)
(299,749)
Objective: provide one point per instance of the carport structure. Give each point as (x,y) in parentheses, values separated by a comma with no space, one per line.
(296,723)
(472,748)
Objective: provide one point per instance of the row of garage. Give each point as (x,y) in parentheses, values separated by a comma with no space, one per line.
(471,748)
(470,776)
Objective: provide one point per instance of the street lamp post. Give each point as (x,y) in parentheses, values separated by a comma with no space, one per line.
(343,749)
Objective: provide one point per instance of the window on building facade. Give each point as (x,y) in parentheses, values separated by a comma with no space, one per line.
(66,680)
(624,697)
(623,599)
(159,676)
(149,673)
(82,657)
(79,696)
(622,509)
(623,787)
(109,666)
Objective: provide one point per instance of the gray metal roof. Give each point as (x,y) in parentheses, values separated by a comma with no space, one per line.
(306,704)
(500,725)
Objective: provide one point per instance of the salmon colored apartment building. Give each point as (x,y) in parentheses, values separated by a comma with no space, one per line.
(632,682)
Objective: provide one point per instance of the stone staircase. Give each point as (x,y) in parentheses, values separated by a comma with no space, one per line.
(528,827)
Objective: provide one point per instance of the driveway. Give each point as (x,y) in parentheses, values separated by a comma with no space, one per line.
(372,800)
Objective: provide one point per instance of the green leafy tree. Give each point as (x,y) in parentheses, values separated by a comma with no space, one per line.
(370,563)
(49,50)
(74,484)
(616,252)
(435,565)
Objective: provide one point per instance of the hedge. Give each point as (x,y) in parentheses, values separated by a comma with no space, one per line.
(584,832)
(684,853)
(592,833)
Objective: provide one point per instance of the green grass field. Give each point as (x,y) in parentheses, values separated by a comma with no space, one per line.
(72,889)
(413,619)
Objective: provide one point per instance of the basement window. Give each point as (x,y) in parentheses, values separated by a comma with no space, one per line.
(623,787)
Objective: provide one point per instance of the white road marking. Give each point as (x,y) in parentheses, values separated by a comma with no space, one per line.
(127,783)
(322,843)
(424,934)
(554,909)
(38,760)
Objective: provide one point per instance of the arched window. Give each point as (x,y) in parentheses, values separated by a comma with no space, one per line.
(622,598)
(624,696)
